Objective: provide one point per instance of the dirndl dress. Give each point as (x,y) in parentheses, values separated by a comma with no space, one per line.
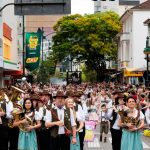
(27,140)
(131,140)
(75,146)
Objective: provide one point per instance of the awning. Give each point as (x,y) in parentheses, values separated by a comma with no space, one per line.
(13,73)
(132,72)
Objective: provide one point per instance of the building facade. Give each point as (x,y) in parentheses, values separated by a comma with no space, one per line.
(118,6)
(132,41)
(8,44)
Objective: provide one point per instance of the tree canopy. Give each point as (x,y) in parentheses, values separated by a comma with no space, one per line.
(89,38)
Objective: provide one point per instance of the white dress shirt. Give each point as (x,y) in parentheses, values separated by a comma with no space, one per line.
(147,115)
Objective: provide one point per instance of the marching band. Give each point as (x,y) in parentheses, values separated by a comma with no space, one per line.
(53,117)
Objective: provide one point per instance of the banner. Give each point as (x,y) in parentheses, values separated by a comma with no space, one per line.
(89,132)
(33,46)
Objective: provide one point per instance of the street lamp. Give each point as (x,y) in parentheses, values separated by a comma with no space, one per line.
(42,37)
(147,52)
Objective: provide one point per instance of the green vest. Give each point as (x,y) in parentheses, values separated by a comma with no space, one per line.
(67,121)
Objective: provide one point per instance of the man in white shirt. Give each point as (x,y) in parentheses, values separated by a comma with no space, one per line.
(5,114)
(61,121)
(147,115)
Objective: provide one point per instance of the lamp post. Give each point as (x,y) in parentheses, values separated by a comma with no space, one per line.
(147,52)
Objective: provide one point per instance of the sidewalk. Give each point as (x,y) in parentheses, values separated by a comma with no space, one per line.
(96,145)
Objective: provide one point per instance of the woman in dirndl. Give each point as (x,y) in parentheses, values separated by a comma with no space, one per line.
(27,135)
(79,122)
(131,121)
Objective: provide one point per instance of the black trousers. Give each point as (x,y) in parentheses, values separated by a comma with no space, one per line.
(116,139)
(81,137)
(61,142)
(3,137)
(44,139)
(13,138)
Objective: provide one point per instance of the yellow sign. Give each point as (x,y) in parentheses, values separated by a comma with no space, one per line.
(132,73)
(32,60)
(33,42)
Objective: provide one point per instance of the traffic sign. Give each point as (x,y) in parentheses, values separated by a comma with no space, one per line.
(42,7)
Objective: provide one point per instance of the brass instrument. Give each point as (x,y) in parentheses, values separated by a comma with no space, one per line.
(15,93)
(23,127)
(16,113)
(2,98)
(2,95)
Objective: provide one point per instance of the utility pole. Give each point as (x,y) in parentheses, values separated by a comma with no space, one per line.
(23,46)
(42,43)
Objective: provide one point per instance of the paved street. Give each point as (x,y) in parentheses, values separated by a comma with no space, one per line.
(96,145)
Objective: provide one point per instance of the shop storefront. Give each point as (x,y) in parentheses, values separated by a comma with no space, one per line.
(133,76)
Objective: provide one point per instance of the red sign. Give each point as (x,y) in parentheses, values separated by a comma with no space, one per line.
(7,31)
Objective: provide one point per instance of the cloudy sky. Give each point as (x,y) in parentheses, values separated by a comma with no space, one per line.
(82,6)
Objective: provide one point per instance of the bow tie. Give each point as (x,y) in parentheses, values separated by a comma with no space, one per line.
(60,107)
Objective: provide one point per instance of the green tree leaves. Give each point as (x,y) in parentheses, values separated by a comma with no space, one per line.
(90,36)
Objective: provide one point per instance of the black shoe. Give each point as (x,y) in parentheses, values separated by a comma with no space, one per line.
(105,140)
(101,138)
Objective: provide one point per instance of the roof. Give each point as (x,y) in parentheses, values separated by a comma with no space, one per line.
(129,2)
(142,6)
(147,22)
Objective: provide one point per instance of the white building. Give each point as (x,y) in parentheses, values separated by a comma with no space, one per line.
(132,40)
(118,6)
(47,44)
(8,43)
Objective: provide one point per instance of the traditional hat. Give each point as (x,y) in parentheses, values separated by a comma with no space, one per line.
(45,92)
(60,94)
(69,93)
(34,97)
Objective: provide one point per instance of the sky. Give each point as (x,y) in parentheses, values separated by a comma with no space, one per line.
(82,7)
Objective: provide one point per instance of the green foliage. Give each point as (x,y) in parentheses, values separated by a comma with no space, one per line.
(88,38)
(88,75)
(45,71)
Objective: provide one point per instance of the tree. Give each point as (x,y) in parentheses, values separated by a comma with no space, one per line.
(88,38)
(46,69)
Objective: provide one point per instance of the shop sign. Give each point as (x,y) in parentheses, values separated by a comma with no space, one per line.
(133,73)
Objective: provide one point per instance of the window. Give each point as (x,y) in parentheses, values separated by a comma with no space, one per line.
(97,8)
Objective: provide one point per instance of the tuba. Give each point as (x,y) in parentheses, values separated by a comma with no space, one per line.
(17,110)
(15,93)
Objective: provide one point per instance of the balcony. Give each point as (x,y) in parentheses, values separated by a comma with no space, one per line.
(125,36)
